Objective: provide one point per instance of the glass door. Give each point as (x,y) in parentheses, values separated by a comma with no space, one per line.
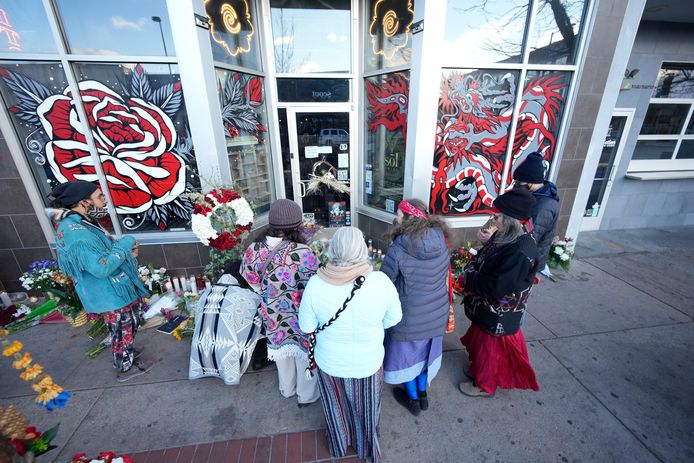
(321,164)
(604,174)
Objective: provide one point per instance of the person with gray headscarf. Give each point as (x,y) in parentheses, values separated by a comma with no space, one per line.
(347,307)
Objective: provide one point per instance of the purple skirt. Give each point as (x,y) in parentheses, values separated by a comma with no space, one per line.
(405,360)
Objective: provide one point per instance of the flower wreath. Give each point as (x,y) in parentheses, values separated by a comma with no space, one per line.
(222,209)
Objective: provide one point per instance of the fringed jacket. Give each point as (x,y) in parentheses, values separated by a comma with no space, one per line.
(103,269)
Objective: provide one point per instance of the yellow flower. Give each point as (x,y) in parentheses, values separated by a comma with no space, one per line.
(31,372)
(49,394)
(4,333)
(12,349)
(23,362)
(177,335)
(45,383)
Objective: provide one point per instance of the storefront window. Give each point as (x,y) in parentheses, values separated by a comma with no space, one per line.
(311,36)
(24,27)
(243,113)
(389,40)
(675,81)
(666,139)
(387,100)
(30,92)
(140,128)
(117,27)
(474,119)
(233,32)
(540,114)
(555,37)
(489,31)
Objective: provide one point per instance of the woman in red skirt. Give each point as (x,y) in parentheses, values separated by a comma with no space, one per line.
(497,284)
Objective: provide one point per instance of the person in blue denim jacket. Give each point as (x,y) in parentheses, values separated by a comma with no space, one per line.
(103,268)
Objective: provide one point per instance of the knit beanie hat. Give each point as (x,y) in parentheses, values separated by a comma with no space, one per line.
(517,203)
(285,215)
(70,193)
(531,170)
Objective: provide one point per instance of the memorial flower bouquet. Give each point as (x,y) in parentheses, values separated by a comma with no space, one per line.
(152,278)
(560,253)
(46,276)
(221,219)
(320,249)
(24,438)
(459,259)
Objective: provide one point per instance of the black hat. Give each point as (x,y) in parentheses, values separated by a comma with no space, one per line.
(70,193)
(285,214)
(517,203)
(531,170)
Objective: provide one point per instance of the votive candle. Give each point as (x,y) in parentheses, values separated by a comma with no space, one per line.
(177,285)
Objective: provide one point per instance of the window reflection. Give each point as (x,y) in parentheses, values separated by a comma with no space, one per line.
(489,31)
(664,119)
(675,81)
(554,39)
(654,149)
(243,114)
(117,27)
(24,27)
(311,36)
(232,32)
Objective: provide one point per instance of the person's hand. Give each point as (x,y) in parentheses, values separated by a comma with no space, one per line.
(136,249)
(483,235)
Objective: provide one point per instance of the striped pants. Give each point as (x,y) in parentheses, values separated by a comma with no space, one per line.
(352,410)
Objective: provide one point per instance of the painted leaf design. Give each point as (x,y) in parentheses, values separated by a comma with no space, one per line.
(139,84)
(29,92)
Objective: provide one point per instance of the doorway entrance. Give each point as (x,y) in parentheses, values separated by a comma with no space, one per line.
(611,153)
(318,162)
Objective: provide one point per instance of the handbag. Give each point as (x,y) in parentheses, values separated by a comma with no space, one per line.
(358,282)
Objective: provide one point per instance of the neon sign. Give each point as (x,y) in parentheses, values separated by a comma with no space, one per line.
(226,18)
(386,20)
(7,29)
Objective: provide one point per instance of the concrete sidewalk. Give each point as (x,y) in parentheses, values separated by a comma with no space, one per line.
(612,343)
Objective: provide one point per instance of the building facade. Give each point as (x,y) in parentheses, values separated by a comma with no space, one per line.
(345,106)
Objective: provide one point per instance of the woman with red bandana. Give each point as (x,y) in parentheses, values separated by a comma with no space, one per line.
(497,284)
(417,262)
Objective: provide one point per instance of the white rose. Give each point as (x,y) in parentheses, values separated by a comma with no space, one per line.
(564,257)
(558,251)
(473,251)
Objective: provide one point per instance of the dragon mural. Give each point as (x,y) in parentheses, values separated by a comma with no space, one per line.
(387,104)
(473,129)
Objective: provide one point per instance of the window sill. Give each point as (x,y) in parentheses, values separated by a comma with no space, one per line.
(665,175)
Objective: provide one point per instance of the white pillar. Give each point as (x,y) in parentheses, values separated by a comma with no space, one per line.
(425,81)
(195,63)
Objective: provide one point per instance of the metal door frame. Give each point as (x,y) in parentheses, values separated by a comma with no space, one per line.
(593,223)
(292,111)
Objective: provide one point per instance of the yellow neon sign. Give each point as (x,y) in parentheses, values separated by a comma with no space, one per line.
(390,25)
(231,20)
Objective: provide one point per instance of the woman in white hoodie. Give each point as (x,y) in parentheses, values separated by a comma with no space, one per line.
(347,307)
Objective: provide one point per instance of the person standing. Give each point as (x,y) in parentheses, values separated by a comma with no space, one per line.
(417,262)
(545,214)
(497,283)
(348,307)
(103,268)
(278,266)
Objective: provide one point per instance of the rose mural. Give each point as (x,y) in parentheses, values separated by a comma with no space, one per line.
(147,162)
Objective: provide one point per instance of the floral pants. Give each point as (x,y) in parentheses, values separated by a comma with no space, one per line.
(122,325)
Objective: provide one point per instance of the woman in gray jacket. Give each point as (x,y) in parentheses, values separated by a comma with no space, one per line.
(417,262)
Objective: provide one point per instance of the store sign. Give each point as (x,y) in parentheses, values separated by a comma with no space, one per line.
(313,90)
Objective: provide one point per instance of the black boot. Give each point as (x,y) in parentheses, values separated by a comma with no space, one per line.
(403,399)
(423,401)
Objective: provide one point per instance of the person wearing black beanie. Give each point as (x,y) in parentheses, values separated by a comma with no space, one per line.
(104,269)
(530,174)
(497,283)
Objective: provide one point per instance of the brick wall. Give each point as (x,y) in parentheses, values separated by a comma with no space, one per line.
(21,238)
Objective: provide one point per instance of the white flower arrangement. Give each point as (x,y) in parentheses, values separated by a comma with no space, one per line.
(561,253)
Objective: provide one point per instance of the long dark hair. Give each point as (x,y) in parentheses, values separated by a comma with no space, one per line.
(233,268)
(416,227)
(293,235)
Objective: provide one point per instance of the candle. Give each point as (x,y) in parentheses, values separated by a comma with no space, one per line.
(193,286)
(167,287)
(177,285)
(33,299)
(184,284)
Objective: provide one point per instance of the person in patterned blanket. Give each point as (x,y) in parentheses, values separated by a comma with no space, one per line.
(277,266)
